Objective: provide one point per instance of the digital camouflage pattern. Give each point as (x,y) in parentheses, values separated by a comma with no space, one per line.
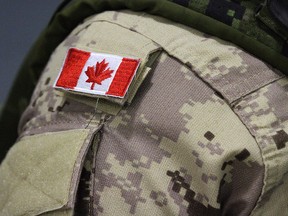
(265,114)
(248,24)
(244,16)
(163,157)
(193,141)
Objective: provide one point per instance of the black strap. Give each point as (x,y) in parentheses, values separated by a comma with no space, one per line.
(279,9)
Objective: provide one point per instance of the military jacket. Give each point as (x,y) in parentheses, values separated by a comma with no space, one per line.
(202,130)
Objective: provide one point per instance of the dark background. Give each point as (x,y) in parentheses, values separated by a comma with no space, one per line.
(21,21)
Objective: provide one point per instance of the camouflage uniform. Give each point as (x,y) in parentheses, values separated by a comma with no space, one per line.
(203,130)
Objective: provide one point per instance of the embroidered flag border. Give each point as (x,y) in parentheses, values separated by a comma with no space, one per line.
(98,74)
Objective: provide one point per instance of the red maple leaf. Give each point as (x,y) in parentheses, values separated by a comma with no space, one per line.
(98,73)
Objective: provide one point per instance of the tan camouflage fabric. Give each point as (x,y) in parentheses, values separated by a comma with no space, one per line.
(203,131)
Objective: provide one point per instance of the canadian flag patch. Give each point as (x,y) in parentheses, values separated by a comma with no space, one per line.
(96,73)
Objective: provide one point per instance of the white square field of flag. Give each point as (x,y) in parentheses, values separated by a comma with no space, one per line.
(96,73)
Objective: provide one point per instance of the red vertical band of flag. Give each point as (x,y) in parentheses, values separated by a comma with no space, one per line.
(123,77)
(74,63)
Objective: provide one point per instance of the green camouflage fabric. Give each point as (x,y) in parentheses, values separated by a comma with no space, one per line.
(249,17)
(205,134)
(247,24)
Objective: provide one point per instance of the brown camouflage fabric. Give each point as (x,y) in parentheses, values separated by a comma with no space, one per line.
(203,134)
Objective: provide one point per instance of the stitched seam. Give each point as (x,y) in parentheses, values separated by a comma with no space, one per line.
(253,131)
(74,186)
(258,86)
